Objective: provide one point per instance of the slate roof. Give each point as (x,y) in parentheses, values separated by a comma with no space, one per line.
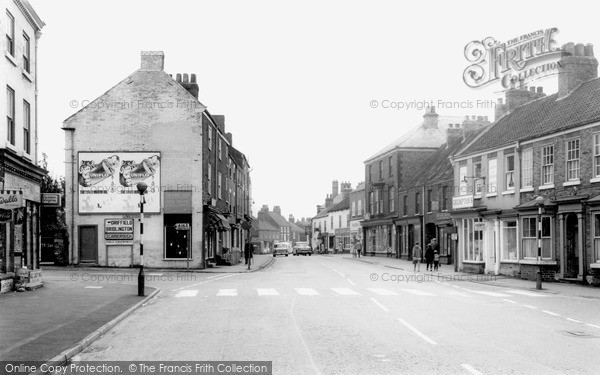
(278,219)
(541,117)
(296,228)
(343,205)
(263,225)
(420,137)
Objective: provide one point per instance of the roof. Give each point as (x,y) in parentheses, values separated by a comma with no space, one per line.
(437,167)
(422,137)
(343,205)
(296,228)
(263,225)
(278,219)
(541,117)
(238,157)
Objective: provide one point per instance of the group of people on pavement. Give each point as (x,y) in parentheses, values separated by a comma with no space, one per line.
(432,256)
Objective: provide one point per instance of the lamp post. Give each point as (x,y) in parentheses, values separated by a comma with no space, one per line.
(539,201)
(141,187)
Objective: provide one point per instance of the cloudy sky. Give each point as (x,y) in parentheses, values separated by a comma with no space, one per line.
(295,80)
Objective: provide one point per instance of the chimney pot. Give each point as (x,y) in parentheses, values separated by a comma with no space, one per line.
(193,78)
(579,49)
(178,77)
(540,90)
(532,89)
(185,78)
(569,48)
(152,60)
(589,50)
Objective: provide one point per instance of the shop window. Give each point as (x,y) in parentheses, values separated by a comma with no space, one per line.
(473,239)
(177,234)
(509,240)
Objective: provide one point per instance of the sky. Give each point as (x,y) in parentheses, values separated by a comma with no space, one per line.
(303,85)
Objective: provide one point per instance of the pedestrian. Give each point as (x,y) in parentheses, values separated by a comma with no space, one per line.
(389,252)
(436,260)
(436,247)
(358,247)
(248,252)
(417,253)
(429,256)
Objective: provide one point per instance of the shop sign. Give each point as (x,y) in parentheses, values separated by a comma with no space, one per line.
(182,226)
(118,231)
(9,201)
(479,225)
(51,199)
(465,201)
(5,215)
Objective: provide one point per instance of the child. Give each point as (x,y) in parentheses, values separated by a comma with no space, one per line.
(417,254)
(436,260)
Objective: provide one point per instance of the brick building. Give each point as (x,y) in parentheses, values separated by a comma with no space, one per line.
(544,147)
(20,177)
(357,205)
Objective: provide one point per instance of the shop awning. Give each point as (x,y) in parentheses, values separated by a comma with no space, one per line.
(215,220)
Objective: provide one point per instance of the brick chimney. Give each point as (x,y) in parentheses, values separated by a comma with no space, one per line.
(188,83)
(220,120)
(430,118)
(578,65)
(328,201)
(277,210)
(516,97)
(453,135)
(291,219)
(152,60)
(319,208)
(346,189)
(229,137)
(334,189)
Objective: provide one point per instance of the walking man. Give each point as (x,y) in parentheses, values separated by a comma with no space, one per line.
(248,252)
(358,248)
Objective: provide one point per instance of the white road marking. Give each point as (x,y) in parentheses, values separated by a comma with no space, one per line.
(574,320)
(417,332)
(267,292)
(345,291)
(526,293)
(338,272)
(530,307)
(457,293)
(351,282)
(380,305)
(227,293)
(221,277)
(213,276)
(491,294)
(446,284)
(592,325)
(418,292)
(93,287)
(307,291)
(187,293)
(470,368)
(507,300)
(455,286)
(383,292)
(550,313)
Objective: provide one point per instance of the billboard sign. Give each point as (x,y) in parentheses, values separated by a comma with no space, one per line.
(107,181)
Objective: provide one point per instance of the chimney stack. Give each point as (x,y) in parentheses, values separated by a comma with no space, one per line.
(291,219)
(152,61)
(220,120)
(430,118)
(334,189)
(229,137)
(190,86)
(277,210)
(328,201)
(578,65)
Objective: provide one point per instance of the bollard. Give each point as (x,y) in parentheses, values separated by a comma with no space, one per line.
(538,280)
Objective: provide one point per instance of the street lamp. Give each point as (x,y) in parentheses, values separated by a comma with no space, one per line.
(539,201)
(141,187)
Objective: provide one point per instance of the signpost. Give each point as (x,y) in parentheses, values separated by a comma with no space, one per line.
(52,199)
(118,231)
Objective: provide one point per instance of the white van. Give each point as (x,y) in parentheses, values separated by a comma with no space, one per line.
(282,248)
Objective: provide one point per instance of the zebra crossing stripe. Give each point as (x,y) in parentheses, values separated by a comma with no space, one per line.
(267,292)
(383,292)
(306,291)
(187,293)
(418,292)
(345,292)
(227,293)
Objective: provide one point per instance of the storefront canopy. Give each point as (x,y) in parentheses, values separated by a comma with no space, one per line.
(215,220)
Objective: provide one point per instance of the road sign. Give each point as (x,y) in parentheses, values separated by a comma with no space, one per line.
(51,199)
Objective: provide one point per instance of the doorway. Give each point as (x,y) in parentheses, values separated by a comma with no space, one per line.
(571,246)
(88,243)
(411,240)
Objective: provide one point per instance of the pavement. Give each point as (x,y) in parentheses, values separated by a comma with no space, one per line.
(446,273)
(57,321)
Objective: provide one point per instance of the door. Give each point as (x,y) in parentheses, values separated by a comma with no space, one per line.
(571,246)
(411,240)
(88,243)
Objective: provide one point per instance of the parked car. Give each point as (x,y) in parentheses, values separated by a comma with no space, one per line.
(302,248)
(282,248)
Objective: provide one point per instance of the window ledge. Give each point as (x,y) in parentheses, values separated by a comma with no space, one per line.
(27,156)
(534,262)
(478,196)
(473,262)
(595,265)
(595,179)
(572,183)
(10,146)
(10,58)
(546,187)
(491,195)
(511,261)
(508,192)
(166,259)
(526,189)
(27,75)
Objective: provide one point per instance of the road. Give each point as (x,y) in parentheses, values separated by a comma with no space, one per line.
(338,315)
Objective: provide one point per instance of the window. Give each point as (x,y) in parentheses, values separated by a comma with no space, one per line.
(597,238)
(10,115)
(372,202)
(473,239)
(492,176)
(380,205)
(26,127)
(429,200)
(381,169)
(596,155)
(10,33)
(219,194)
(509,168)
(405,205)
(509,240)
(26,53)
(547,165)
(353,210)
(527,168)
(444,198)
(462,183)
(209,137)
(529,235)
(220,150)
(340,221)
(391,199)
(573,160)
(177,236)
(370,173)
(360,207)
(376,197)
(332,223)
(417,203)
(209,179)
(391,165)
(477,180)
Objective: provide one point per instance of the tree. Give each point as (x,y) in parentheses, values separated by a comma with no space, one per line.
(53,225)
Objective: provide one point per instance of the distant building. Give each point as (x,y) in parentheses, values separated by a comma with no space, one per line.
(331,227)
(357,206)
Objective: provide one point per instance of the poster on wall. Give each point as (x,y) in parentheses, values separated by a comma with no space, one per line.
(107,181)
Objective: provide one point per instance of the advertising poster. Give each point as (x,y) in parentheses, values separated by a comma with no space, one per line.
(107,181)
